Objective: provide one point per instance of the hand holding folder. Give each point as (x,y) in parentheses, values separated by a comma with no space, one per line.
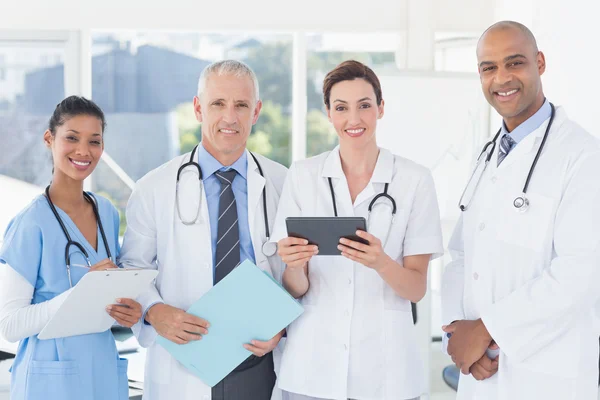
(246,305)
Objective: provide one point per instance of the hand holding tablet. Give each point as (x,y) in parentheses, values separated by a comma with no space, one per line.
(326,232)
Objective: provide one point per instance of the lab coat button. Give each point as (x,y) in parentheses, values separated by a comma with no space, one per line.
(349,281)
(475,275)
(346,313)
(481,226)
(206,265)
(345,347)
(494,179)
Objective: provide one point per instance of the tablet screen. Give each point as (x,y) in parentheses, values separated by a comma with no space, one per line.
(326,232)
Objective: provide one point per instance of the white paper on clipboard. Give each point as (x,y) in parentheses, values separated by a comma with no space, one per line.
(84,309)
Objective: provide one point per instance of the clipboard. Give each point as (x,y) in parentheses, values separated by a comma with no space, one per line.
(84,310)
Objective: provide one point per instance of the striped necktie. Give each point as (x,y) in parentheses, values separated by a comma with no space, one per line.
(506,145)
(228,234)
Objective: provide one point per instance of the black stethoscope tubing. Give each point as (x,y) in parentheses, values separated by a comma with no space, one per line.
(535,160)
(371,204)
(193,163)
(70,242)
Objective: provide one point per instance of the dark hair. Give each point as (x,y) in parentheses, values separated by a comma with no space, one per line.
(348,71)
(71,107)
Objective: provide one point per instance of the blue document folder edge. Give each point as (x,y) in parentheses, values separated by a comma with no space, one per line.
(247,304)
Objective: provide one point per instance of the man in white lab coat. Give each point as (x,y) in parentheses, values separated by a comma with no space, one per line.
(519,296)
(196,228)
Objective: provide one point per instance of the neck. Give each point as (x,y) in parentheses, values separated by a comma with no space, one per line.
(66,193)
(513,122)
(226,159)
(359,161)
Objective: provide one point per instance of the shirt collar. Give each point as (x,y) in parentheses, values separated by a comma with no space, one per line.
(209,165)
(530,125)
(382,173)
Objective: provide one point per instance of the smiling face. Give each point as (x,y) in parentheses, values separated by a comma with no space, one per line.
(227,110)
(510,69)
(354,112)
(76,146)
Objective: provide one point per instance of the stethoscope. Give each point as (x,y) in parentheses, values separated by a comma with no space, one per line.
(372,204)
(268,248)
(521,203)
(71,242)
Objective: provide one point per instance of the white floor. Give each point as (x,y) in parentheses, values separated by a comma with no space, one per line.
(440,391)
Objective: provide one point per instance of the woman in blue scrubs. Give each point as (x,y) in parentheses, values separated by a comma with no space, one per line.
(35,279)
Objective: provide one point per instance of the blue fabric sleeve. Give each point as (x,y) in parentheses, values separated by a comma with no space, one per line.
(22,247)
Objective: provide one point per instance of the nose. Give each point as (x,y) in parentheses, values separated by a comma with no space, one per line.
(83,148)
(503,76)
(354,117)
(229,115)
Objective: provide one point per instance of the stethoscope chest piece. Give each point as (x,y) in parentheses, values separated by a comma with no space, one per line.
(269,248)
(521,204)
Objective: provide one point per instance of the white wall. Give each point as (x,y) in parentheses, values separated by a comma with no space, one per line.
(307,15)
(569,35)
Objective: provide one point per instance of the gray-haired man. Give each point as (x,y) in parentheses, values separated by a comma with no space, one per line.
(196,237)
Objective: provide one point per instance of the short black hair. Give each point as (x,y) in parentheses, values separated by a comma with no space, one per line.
(71,107)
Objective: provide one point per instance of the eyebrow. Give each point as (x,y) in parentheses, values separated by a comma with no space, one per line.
(74,131)
(235,101)
(509,58)
(506,59)
(345,102)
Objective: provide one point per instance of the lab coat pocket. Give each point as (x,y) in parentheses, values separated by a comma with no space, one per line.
(53,379)
(123,380)
(529,229)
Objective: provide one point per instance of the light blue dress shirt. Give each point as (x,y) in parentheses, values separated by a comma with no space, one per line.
(530,125)
(212,188)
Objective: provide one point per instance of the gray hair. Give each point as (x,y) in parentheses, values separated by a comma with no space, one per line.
(228,67)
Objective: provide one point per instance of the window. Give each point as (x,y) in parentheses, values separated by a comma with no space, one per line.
(2,67)
(146,81)
(25,166)
(325,52)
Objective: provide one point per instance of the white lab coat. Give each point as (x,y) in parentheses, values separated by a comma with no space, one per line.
(155,238)
(356,337)
(533,277)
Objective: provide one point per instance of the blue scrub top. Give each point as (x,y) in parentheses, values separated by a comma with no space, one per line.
(73,368)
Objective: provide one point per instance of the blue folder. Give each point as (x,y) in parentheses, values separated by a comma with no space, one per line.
(247,304)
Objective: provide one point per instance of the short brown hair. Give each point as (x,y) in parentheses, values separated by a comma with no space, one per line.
(348,71)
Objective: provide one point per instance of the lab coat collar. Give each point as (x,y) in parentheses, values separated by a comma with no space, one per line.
(532,141)
(382,173)
(256,184)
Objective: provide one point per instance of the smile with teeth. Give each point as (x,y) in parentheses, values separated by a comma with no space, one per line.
(228,131)
(80,163)
(355,131)
(504,94)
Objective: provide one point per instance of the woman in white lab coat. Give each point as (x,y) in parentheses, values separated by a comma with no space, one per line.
(356,338)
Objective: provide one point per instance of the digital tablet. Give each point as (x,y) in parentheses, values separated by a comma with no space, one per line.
(326,232)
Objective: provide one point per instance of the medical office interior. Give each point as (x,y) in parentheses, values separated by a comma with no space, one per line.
(140,61)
